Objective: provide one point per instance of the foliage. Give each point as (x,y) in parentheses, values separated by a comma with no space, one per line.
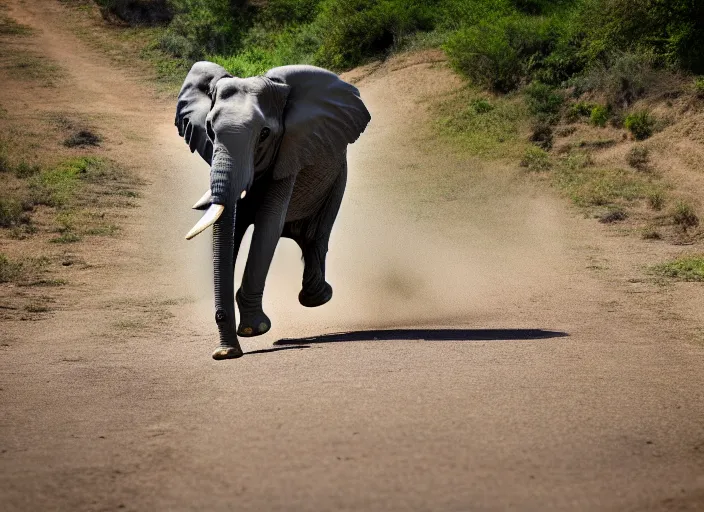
(656,200)
(500,44)
(599,116)
(622,77)
(137,12)
(580,109)
(544,102)
(57,186)
(603,186)
(497,53)
(353,30)
(536,159)
(686,268)
(684,215)
(640,124)
(638,157)
(699,86)
(9,270)
(11,212)
(481,105)
(491,133)
(542,135)
(670,30)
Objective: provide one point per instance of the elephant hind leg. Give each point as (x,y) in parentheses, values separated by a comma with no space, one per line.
(313,239)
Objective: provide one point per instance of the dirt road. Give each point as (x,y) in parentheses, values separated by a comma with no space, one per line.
(526,379)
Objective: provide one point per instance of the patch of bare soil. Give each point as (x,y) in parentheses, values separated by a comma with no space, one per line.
(515,362)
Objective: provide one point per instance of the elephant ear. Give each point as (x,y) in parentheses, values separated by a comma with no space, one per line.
(194,103)
(323,115)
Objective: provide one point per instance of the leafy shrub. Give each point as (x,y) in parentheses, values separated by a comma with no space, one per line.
(580,109)
(670,30)
(699,86)
(11,213)
(353,30)
(638,157)
(5,165)
(640,124)
(622,77)
(544,102)
(651,233)
(286,12)
(25,170)
(481,106)
(684,215)
(599,116)
(206,27)
(536,159)
(497,53)
(656,200)
(137,12)
(9,270)
(541,135)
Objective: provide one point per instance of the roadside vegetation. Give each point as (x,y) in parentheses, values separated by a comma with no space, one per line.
(588,95)
(57,190)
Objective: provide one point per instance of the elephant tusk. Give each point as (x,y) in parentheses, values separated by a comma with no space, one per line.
(208,219)
(203,201)
(244,193)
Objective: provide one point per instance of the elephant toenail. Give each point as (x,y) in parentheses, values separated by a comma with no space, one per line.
(263,327)
(247,330)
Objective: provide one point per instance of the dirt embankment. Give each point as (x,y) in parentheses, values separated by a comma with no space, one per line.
(519,358)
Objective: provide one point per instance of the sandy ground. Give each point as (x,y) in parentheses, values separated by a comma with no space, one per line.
(529,376)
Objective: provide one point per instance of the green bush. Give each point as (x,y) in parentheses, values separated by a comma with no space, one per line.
(353,30)
(621,77)
(699,86)
(203,27)
(544,102)
(11,213)
(656,200)
(9,270)
(638,157)
(137,12)
(492,53)
(641,124)
(286,12)
(536,159)
(599,116)
(671,30)
(684,215)
(686,268)
(481,106)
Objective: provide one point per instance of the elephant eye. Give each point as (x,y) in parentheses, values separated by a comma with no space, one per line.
(265,133)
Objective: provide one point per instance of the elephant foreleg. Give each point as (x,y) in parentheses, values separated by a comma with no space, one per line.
(268,224)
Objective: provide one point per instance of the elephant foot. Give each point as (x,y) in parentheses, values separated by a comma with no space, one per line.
(315,299)
(229,347)
(227,353)
(253,322)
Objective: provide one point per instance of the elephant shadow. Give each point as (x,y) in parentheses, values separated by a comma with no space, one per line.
(425,335)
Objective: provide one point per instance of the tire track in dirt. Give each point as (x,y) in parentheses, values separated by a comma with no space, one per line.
(97,415)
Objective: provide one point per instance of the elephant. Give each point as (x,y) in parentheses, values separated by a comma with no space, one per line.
(277,149)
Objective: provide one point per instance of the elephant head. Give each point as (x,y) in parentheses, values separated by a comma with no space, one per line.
(277,123)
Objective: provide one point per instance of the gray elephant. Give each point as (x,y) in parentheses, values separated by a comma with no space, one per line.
(277,147)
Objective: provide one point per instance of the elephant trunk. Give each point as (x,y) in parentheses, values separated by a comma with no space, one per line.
(228,179)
